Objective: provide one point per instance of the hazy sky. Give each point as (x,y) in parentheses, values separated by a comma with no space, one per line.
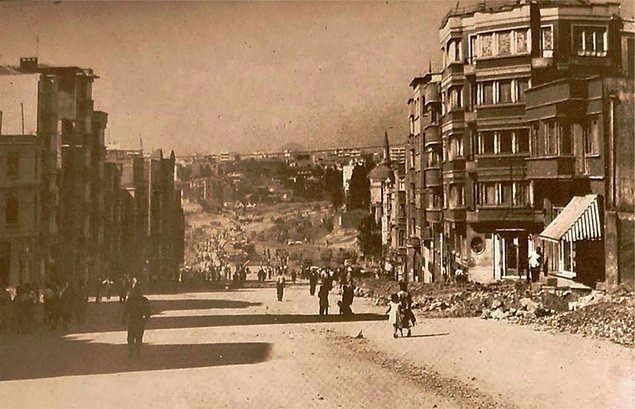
(211,77)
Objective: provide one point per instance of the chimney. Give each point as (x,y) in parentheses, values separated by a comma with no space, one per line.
(28,64)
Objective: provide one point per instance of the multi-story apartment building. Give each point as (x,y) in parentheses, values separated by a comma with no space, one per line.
(423,178)
(133,208)
(56,102)
(166,223)
(19,209)
(67,213)
(530,97)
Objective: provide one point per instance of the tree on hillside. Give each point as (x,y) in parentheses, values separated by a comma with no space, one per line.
(369,236)
(333,182)
(359,189)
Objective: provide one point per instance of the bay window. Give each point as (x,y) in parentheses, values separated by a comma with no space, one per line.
(590,40)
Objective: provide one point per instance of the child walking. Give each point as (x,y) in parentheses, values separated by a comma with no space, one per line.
(394,314)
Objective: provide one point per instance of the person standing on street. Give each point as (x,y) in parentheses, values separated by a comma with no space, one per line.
(323,295)
(535,261)
(280,282)
(313,279)
(136,314)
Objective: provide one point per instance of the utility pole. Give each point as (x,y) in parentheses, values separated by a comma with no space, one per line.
(22,110)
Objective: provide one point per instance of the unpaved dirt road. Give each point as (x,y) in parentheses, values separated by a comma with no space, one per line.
(244,349)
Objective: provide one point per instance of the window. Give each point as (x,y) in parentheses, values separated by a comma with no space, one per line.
(522,84)
(487,193)
(473,49)
(590,135)
(521,41)
(486,45)
(433,158)
(477,245)
(567,256)
(488,93)
(456,195)
(590,40)
(13,164)
(521,192)
(454,51)
(521,141)
(433,115)
(401,238)
(505,91)
(546,41)
(456,97)
(565,140)
(487,142)
(456,147)
(504,43)
(11,210)
(537,148)
(504,193)
(505,142)
(551,139)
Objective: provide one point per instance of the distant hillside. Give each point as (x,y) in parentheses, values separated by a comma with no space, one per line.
(292,147)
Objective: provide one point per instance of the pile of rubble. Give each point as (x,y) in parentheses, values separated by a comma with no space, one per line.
(597,314)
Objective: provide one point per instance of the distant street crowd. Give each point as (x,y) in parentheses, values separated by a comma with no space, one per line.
(36,308)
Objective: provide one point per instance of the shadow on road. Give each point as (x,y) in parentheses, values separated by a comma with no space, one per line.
(254,319)
(72,357)
(429,335)
(203,321)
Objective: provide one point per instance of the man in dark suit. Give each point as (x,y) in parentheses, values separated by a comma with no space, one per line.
(136,315)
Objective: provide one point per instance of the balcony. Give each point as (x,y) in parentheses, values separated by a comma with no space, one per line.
(454,165)
(433,176)
(426,234)
(469,69)
(470,117)
(456,214)
(432,135)
(567,97)
(553,167)
(453,68)
(431,94)
(509,166)
(541,62)
(502,214)
(453,116)
(433,215)
(486,112)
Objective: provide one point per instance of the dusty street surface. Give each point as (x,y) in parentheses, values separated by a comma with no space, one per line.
(244,349)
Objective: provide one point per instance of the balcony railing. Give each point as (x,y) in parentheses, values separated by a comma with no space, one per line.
(433,176)
(553,167)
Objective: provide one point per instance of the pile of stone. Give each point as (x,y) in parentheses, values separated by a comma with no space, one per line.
(597,314)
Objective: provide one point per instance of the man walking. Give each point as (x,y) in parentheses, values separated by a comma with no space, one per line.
(280,283)
(136,314)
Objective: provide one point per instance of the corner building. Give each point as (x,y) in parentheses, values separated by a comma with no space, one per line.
(526,126)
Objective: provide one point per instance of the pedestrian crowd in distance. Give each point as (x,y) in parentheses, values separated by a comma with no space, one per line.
(32,309)
(36,308)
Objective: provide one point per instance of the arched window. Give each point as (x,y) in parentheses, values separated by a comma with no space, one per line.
(11,210)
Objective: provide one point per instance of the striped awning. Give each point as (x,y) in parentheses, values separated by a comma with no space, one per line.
(579,220)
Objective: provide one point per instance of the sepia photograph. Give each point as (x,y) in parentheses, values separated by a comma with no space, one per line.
(317,204)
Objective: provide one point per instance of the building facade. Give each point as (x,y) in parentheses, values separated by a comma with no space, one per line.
(530,97)
(68,213)
(19,209)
